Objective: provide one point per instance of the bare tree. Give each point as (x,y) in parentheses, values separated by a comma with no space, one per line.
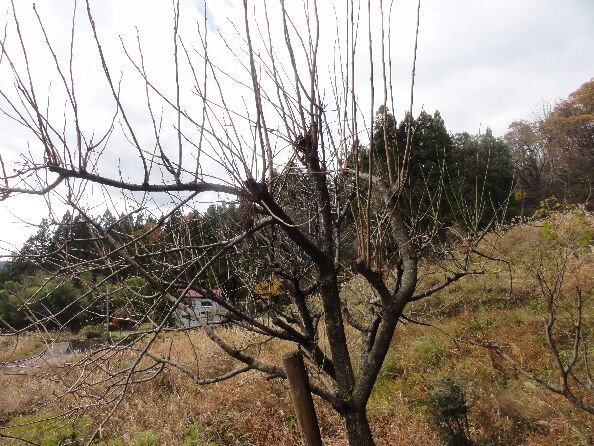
(567,333)
(552,152)
(288,139)
(575,374)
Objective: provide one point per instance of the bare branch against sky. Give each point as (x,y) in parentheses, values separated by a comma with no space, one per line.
(480,63)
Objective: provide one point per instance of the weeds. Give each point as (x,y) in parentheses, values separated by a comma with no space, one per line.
(500,407)
(48,430)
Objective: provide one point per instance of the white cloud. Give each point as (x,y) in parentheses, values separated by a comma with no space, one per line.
(481,63)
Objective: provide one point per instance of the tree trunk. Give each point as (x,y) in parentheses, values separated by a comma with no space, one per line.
(358,430)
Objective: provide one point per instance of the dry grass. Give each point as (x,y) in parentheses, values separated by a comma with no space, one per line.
(505,408)
(13,348)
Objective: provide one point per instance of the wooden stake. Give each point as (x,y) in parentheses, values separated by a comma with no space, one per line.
(302,400)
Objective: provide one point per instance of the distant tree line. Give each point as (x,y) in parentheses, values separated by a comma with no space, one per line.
(454,179)
(69,298)
(553,153)
(460,180)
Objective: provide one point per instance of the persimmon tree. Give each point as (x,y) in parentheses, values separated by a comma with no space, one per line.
(280,132)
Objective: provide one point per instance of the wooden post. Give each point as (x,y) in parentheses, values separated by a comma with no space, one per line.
(302,400)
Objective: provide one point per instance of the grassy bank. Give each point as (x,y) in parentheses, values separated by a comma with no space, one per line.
(504,306)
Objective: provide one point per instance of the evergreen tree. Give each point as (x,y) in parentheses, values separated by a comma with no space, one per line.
(481,179)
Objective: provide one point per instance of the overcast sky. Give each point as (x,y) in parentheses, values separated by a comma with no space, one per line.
(480,62)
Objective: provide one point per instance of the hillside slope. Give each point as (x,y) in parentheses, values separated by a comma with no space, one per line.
(436,367)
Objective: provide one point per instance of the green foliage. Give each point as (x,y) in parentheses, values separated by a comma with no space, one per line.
(481,179)
(558,236)
(195,436)
(431,157)
(457,179)
(546,231)
(392,367)
(56,300)
(47,430)
(217,433)
(429,351)
(447,405)
(550,206)
(134,296)
(146,438)
(390,380)
(585,231)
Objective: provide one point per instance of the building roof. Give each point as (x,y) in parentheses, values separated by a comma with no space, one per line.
(193,294)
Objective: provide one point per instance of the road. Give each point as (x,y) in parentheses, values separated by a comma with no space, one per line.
(55,354)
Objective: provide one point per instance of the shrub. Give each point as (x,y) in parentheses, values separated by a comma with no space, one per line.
(392,367)
(448,408)
(93,331)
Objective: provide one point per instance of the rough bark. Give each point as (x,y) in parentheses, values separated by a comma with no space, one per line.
(358,430)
